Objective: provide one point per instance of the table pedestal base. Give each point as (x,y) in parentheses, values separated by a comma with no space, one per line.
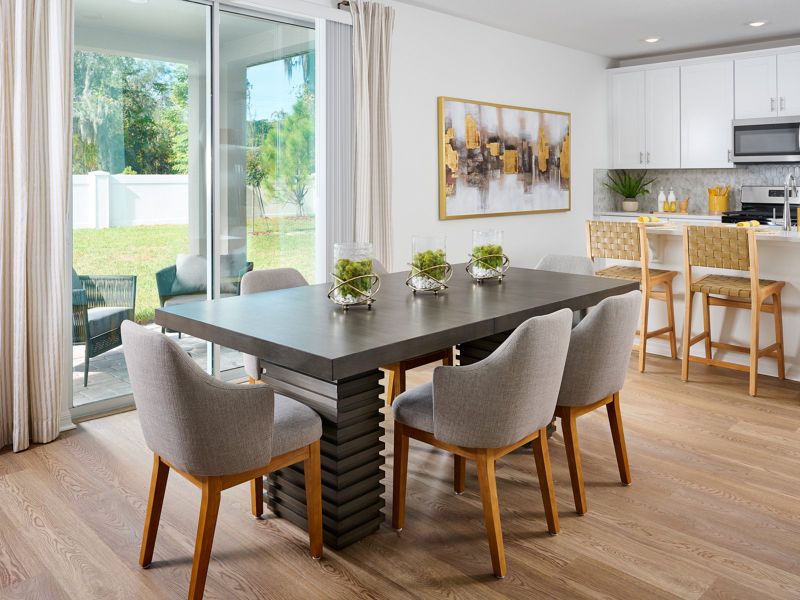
(351,455)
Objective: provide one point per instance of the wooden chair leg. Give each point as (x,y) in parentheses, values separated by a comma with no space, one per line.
(158,485)
(448,358)
(459,473)
(313,478)
(687,334)
(643,330)
(399,476)
(673,344)
(618,435)
(399,381)
(491,512)
(777,314)
(207,523)
(568,426)
(755,324)
(706,324)
(388,387)
(541,454)
(257,496)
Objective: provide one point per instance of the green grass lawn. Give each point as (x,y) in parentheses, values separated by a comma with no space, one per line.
(145,249)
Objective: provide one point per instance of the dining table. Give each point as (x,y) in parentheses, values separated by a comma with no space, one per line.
(330,360)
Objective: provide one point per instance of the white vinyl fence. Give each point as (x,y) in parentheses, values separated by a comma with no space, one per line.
(102,200)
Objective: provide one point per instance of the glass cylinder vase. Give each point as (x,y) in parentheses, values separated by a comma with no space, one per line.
(429,268)
(487,260)
(353,279)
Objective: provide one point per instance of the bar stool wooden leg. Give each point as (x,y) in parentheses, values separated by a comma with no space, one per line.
(706,324)
(388,386)
(491,512)
(755,323)
(643,330)
(673,345)
(447,361)
(459,473)
(776,303)
(687,334)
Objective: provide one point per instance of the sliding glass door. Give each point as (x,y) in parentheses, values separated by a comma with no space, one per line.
(266,151)
(164,212)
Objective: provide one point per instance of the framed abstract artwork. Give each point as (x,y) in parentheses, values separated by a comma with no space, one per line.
(499,160)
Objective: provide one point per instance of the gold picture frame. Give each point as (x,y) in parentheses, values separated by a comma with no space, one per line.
(489,167)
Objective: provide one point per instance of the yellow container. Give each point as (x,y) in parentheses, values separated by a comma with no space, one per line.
(718,200)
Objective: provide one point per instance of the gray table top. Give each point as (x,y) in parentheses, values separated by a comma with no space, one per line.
(300,329)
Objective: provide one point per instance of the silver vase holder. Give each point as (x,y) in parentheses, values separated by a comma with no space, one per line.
(343,293)
(480,271)
(436,284)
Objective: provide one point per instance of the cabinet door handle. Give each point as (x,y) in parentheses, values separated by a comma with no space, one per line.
(641,158)
(783,103)
(730,156)
(772,105)
(647,159)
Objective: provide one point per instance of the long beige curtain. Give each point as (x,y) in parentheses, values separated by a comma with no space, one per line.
(35,141)
(372,40)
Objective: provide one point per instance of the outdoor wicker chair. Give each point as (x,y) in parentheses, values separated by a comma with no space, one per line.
(100,303)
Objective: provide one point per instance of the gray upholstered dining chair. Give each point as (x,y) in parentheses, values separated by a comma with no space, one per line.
(216,435)
(483,411)
(396,372)
(266,280)
(599,353)
(567,263)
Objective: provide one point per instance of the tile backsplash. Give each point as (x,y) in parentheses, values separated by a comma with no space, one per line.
(693,183)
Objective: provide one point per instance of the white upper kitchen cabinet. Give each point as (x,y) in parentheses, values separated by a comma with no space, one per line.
(627,120)
(663,118)
(756,87)
(706,114)
(789,84)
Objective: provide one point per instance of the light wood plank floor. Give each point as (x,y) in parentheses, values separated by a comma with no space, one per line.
(713,513)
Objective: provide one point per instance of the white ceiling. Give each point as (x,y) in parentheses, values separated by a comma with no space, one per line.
(616,28)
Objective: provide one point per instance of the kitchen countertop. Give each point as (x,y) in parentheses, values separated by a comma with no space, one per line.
(662,216)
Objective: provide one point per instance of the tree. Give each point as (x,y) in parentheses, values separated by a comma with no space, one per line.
(129,113)
(287,153)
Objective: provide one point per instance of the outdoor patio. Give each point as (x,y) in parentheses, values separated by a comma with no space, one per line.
(108,375)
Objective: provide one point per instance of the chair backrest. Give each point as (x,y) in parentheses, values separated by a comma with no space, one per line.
(508,395)
(599,351)
(267,280)
(378,268)
(717,247)
(564,263)
(617,240)
(196,423)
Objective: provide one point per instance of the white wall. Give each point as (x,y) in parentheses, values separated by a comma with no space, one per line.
(438,55)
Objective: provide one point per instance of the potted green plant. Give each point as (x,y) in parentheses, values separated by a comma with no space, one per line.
(630,186)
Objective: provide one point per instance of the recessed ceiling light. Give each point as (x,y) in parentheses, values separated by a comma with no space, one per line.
(757,23)
(138,1)
(652,40)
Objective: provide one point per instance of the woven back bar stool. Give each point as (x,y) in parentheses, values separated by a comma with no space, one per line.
(732,249)
(618,240)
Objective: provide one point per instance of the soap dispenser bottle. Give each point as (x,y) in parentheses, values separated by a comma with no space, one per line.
(662,198)
(673,205)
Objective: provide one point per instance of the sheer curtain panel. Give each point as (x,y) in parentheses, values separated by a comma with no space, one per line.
(372,37)
(35,141)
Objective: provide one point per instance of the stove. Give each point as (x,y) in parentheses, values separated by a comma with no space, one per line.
(762,203)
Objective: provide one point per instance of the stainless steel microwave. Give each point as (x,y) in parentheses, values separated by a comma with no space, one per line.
(770,140)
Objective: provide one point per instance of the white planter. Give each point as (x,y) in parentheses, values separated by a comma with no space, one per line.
(629,205)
